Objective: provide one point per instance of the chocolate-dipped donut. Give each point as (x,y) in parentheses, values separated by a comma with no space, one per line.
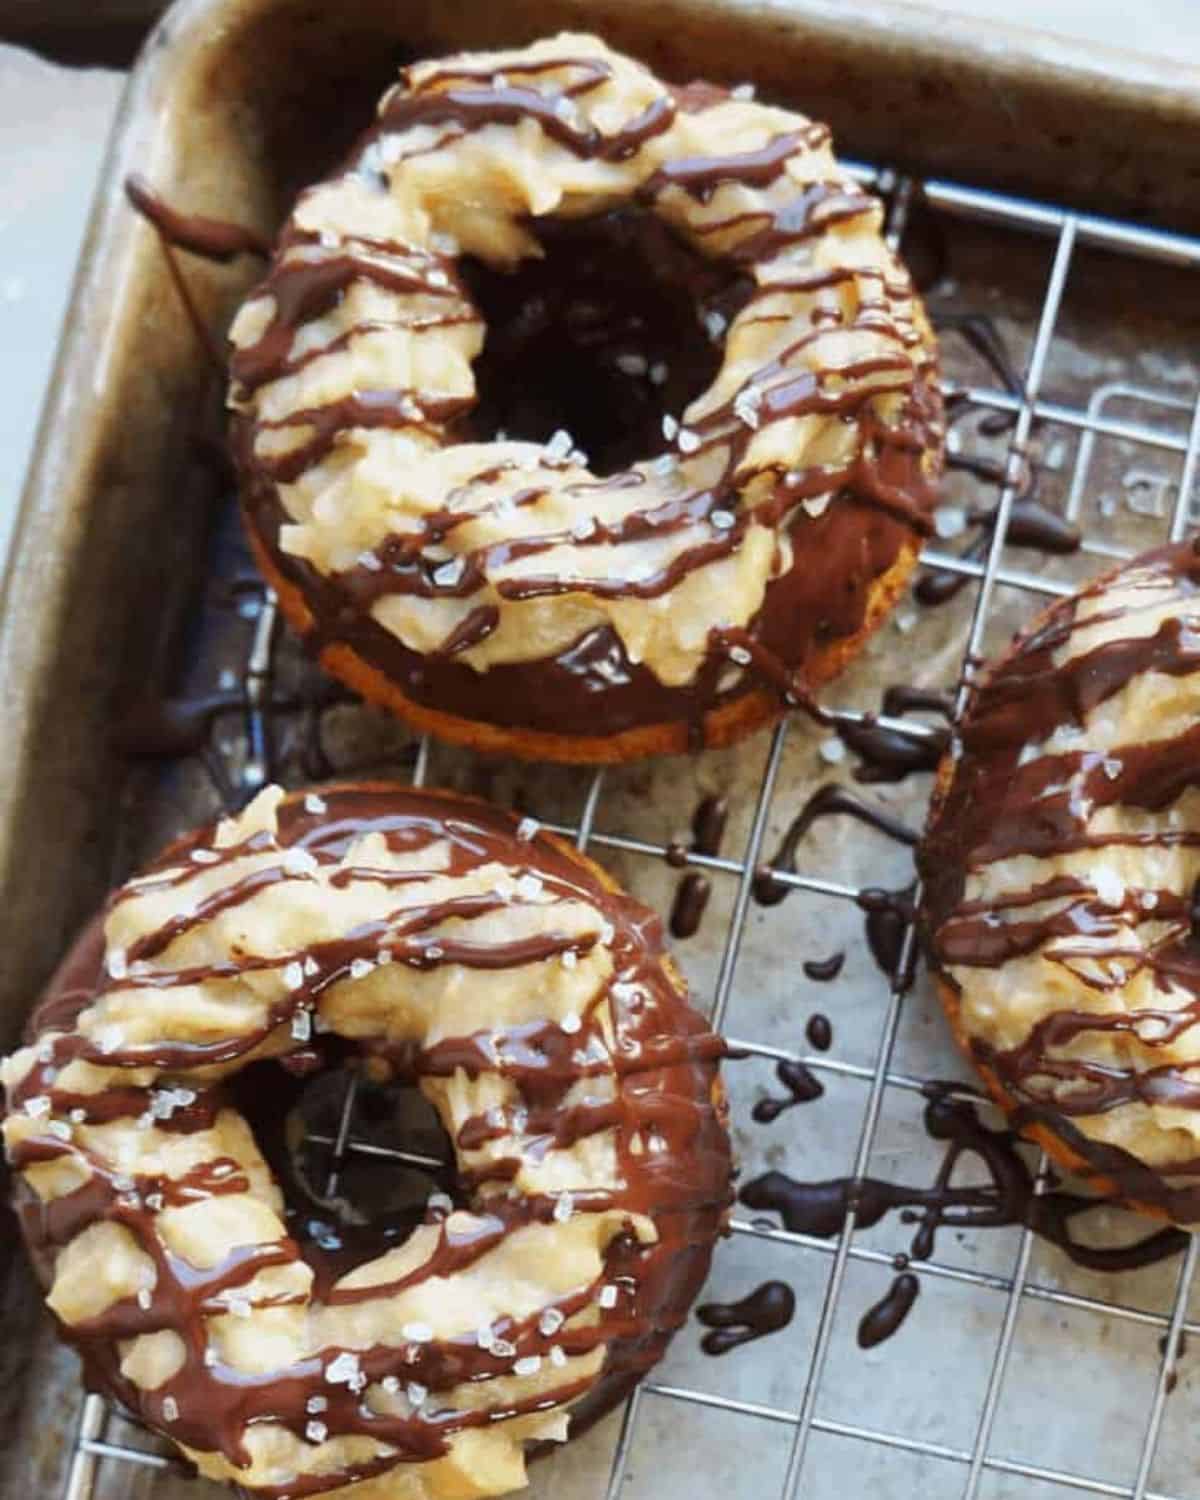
(1061,864)
(499,592)
(530,1001)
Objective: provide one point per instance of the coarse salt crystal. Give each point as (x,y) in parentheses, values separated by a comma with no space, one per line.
(343,1370)
(145,1299)
(1112,767)
(570,958)
(299,862)
(832,751)
(665,464)
(550,1322)
(433,952)
(316,1432)
(109,1038)
(360,968)
(170,1409)
(1109,886)
(484,1337)
(816,505)
(210,1356)
(205,856)
(571,1023)
(743,92)
(293,975)
(740,655)
(391,1384)
(418,1333)
(564,1207)
(416,1393)
(437,277)
(154,1201)
(558,1357)
(583,529)
(59,1129)
(38,1106)
(526,829)
(370,561)
(440,1203)
(528,1364)
(77,1116)
(607,933)
(564,108)
(688,440)
(315,804)
(116,963)
(450,573)
(723,520)
(302,1026)
(315,1404)
(1149,900)
(502,1349)
(670,427)
(631,364)
(529,887)
(949,520)
(714,324)
(310,967)
(607,1297)
(560,444)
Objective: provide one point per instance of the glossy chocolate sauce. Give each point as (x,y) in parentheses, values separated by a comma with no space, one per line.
(765,1310)
(643,300)
(665,1067)
(802,1084)
(694,889)
(886,1316)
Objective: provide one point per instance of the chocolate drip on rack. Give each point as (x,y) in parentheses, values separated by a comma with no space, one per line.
(803,1087)
(694,889)
(888,1314)
(765,1310)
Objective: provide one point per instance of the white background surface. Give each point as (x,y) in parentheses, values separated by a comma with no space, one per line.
(53,125)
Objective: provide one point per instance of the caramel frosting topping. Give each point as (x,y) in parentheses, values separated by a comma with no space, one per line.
(352,369)
(532,1005)
(1062,866)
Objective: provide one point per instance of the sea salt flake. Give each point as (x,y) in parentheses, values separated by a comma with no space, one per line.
(658,373)
(342,1370)
(144,1299)
(302,1026)
(528,1364)
(38,1106)
(564,108)
(723,520)
(564,1207)
(740,655)
(631,364)
(484,1336)
(560,444)
(316,1432)
(449,574)
(204,856)
(743,93)
(239,1307)
(1109,886)
(502,1349)
(550,1321)
(360,968)
(293,975)
(570,1023)
(109,1038)
(570,958)
(689,441)
(433,952)
(77,1116)
(391,1384)
(210,1356)
(416,1393)
(526,829)
(665,464)
(670,427)
(607,1297)
(832,751)
(170,1409)
(417,1333)
(299,862)
(949,521)
(1112,767)
(310,967)
(714,324)
(154,1201)
(1148,900)
(558,1357)
(370,561)
(607,933)
(529,887)
(59,1129)
(315,1404)
(437,277)
(440,1203)
(583,529)
(116,963)
(816,505)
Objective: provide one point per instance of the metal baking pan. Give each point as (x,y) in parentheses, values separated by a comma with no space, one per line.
(127,582)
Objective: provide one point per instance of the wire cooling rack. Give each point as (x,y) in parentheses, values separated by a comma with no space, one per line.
(1101,417)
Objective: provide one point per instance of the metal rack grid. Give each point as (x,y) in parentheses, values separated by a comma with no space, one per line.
(1067,231)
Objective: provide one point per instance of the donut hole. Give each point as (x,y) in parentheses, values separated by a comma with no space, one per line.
(618,326)
(400,1156)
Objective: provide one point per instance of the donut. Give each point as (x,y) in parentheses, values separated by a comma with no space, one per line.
(1061,862)
(496,590)
(428,939)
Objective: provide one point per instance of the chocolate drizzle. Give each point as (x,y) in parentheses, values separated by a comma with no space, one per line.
(803,1087)
(662,1058)
(694,889)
